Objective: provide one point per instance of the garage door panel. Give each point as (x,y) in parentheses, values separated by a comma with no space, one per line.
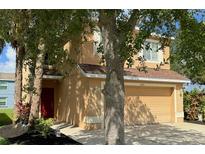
(148,91)
(152,107)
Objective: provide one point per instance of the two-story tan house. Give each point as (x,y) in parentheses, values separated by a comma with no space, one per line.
(154,96)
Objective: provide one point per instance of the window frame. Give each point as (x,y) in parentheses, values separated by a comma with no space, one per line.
(3,84)
(6,99)
(158,52)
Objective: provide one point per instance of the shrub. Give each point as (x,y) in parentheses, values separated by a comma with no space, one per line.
(23,112)
(194,104)
(42,126)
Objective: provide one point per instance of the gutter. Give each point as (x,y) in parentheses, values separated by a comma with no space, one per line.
(103,76)
(7,79)
(56,77)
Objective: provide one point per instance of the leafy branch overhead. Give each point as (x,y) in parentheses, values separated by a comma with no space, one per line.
(188,49)
(161,23)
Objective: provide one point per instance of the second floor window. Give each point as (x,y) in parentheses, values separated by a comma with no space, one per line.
(3,85)
(151,51)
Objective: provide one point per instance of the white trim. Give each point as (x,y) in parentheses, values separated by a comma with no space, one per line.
(156,79)
(102,105)
(92,119)
(154,61)
(4,84)
(152,40)
(148,84)
(103,76)
(52,77)
(180,114)
(7,79)
(175,104)
(6,102)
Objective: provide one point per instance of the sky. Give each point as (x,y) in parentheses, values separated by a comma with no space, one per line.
(190,87)
(8,59)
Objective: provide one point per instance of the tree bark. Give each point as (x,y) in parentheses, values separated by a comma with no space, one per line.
(36,98)
(18,81)
(114,84)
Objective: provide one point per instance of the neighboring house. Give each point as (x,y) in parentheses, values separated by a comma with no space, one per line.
(154,96)
(7,82)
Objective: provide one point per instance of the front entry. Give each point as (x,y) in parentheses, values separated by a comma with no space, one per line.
(47,103)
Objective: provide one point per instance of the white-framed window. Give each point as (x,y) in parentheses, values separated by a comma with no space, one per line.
(3,101)
(152,52)
(3,85)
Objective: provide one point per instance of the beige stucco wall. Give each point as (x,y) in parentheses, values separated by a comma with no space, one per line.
(83,52)
(93,105)
(88,55)
(146,104)
(70,105)
(78,99)
(179,103)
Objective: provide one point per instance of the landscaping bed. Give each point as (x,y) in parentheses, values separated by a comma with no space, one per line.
(39,133)
(36,138)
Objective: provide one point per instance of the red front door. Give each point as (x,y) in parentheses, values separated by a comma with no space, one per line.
(47,103)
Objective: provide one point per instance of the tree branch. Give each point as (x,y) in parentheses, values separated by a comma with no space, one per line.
(134,18)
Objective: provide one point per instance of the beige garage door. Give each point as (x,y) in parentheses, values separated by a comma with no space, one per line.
(145,105)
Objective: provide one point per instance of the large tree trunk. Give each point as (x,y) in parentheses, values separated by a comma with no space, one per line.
(114,84)
(18,81)
(36,98)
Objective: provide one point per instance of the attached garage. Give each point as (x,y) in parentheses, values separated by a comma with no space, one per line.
(147,105)
(154,96)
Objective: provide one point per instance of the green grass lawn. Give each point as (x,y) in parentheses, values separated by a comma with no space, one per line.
(6,116)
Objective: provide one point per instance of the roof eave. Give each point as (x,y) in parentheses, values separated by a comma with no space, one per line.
(133,78)
(103,76)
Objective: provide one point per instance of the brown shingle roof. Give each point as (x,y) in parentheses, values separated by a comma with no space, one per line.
(7,76)
(134,72)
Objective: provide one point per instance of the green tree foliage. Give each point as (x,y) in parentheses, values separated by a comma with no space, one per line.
(194,104)
(56,27)
(189,48)
(30,28)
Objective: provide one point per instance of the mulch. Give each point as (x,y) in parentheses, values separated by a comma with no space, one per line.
(36,138)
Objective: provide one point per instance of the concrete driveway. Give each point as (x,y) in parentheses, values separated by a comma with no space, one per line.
(183,133)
